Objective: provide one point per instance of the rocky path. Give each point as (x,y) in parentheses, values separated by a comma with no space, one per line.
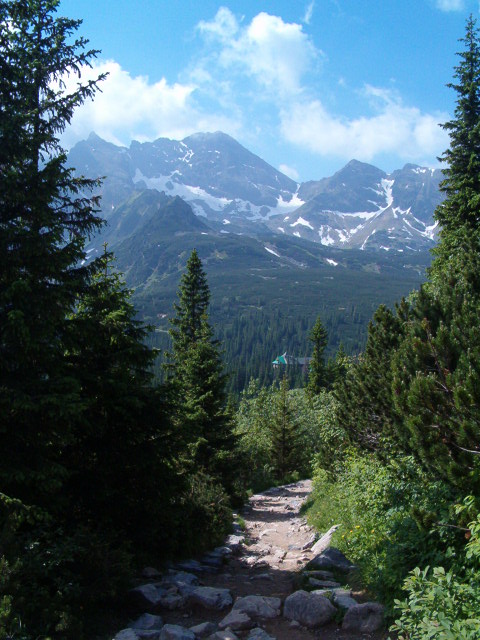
(244,589)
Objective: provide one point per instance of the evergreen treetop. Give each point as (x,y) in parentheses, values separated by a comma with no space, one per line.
(460,211)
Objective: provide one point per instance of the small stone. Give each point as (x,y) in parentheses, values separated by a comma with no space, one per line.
(258,606)
(126,634)
(147,621)
(211,597)
(204,629)
(146,596)
(236,620)
(309,609)
(227,634)
(172,601)
(175,632)
(364,618)
(323,584)
(259,634)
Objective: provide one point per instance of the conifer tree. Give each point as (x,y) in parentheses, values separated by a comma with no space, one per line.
(121,446)
(318,376)
(285,435)
(44,218)
(197,381)
(459,214)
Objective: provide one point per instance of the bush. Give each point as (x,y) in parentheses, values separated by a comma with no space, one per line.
(443,605)
(380,531)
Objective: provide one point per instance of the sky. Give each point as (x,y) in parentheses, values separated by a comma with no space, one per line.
(305,84)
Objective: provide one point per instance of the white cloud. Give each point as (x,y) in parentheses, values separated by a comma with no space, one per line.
(309,12)
(289,171)
(393,129)
(450,5)
(275,53)
(129,108)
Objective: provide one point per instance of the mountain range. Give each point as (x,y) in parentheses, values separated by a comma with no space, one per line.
(237,192)
(277,253)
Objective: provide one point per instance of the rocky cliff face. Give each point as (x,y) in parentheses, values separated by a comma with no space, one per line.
(360,206)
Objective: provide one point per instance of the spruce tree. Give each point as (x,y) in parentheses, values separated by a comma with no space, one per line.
(318,377)
(197,381)
(285,434)
(44,218)
(121,446)
(459,214)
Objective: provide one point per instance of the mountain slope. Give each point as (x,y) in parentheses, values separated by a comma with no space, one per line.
(360,206)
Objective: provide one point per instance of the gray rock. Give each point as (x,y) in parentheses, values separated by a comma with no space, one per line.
(310,542)
(320,575)
(175,632)
(364,618)
(223,551)
(211,597)
(321,545)
(259,634)
(146,596)
(181,577)
(191,566)
(147,621)
(151,573)
(236,620)
(258,606)
(235,543)
(172,601)
(212,560)
(223,635)
(204,629)
(332,559)
(126,634)
(323,584)
(309,609)
(344,602)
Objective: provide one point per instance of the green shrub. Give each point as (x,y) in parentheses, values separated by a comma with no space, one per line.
(443,605)
(379,509)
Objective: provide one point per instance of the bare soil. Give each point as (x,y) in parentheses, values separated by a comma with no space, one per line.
(270,565)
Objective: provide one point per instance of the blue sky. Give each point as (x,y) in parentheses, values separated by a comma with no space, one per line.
(307,85)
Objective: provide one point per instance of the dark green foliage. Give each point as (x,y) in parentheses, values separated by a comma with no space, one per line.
(364,395)
(121,445)
(436,373)
(317,375)
(196,382)
(286,436)
(460,210)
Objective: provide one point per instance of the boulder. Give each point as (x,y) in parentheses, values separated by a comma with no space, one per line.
(364,618)
(332,559)
(172,601)
(235,543)
(211,597)
(343,601)
(146,596)
(147,621)
(323,584)
(204,629)
(175,632)
(191,566)
(259,634)
(257,607)
(309,609)
(236,621)
(126,634)
(227,634)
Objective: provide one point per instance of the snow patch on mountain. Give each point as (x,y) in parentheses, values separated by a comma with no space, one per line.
(272,251)
(303,222)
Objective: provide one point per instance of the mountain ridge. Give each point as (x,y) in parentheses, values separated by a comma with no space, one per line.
(235,191)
